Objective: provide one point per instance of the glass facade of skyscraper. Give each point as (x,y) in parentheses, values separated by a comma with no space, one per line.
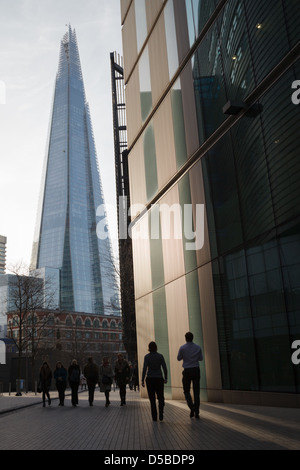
(212,118)
(66,234)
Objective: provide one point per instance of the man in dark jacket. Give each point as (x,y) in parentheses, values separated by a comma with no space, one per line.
(91,373)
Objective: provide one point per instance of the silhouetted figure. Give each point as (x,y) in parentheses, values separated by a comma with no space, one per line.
(45,382)
(74,380)
(191,354)
(105,379)
(91,373)
(154,364)
(60,376)
(122,375)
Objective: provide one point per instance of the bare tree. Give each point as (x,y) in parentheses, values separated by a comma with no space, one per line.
(79,347)
(27,294)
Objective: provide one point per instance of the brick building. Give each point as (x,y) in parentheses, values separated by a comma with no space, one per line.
(62,335)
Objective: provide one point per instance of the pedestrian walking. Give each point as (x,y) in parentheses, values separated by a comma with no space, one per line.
(60,376)
(190,353)
(122,374)
(155,371)
(91,373)
(74,380)
(82,382)
(45,382)
(106,375)
(135,377)
(130,375)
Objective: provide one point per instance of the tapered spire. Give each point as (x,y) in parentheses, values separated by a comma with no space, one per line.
(66,236)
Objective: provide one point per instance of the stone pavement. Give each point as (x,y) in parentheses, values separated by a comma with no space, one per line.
(26,425)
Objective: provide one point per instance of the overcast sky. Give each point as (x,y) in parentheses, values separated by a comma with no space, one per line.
(30,35)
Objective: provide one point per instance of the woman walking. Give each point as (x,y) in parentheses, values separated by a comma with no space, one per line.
(60,377)
(45,382)
(74,380)
(91,373)
(122,374)
(105,378)
(154,363)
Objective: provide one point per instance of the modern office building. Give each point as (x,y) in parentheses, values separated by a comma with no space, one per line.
(212,126)
(71,231)
(22,292)
(3,241)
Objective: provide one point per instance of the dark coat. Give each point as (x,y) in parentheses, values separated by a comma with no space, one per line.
(45,379)
(122,372)
(91,373)
(60,375)
(70,377)
(105,370)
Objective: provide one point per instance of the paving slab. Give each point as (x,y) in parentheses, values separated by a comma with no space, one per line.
(26,425)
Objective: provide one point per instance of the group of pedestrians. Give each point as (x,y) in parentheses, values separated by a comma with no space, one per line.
(93,374)
(154,373)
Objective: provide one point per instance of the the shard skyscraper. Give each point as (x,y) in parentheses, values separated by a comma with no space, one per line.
(71,193)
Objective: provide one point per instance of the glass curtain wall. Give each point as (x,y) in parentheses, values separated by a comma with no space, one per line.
(251,188)
(249,177)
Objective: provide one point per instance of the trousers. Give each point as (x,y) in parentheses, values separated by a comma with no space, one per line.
(91,389)
(155,388)
(191,376)
(74,389)
(61,387)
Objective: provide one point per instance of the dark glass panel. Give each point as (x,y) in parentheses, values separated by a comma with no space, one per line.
(280,120)
(268,34)
(209,85)
(253,178)
(292,14)
(221,188)
(236,52)
(233,309)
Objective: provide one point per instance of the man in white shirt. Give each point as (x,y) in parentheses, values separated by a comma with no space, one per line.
(191,354)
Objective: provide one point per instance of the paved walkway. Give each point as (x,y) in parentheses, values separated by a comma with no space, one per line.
(25,424)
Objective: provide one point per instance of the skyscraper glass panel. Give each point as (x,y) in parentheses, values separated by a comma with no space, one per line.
(66,231)
(220,131)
